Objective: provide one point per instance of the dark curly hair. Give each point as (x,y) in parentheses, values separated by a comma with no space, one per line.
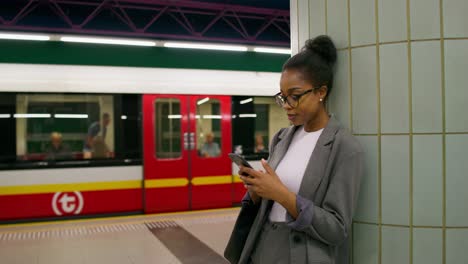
(315,61)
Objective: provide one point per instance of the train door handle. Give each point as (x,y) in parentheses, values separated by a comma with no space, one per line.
(186,141)
(189,140)
(192,140)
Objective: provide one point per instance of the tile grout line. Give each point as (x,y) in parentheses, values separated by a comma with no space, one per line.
(444,136)
(379,126)
(410,117)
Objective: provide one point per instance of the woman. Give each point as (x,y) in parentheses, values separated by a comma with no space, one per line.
(300,208)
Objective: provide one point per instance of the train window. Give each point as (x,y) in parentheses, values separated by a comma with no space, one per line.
(208,120)
(255,120)
(167,130)
(53,129)
(64,127)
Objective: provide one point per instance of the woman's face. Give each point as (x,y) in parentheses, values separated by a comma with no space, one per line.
(308,106)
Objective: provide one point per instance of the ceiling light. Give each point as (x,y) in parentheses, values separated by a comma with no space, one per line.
(32,115)
(204,46)
(248,100)
(111,41)
(272,50)
(24,36)
(71,116)
(212,116)
(247,115)
(202,101)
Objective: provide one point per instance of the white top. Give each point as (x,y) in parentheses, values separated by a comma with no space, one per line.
(292,167)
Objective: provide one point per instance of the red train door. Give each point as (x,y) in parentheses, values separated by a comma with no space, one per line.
(186,141)
(211,176)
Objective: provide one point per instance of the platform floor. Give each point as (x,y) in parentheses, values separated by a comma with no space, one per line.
(192,237)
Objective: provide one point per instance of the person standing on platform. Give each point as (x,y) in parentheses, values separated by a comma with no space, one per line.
(299,208)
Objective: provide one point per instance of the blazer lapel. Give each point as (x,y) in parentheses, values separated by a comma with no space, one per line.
(316,166)
(284,139)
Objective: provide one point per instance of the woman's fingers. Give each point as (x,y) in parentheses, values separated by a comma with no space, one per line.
(247,180)
(267,167)
(245,171)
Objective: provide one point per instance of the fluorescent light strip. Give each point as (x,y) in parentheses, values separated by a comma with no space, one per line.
(248,100)
(247,115)
(212,116)
(204,46)
(111,41)
(32,115)
(24,36)
(5,115)
(146,43)
(202,101)
(272,50)
(174,116)
(71,116)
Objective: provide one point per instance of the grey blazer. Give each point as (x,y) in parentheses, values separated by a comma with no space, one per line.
(330,188)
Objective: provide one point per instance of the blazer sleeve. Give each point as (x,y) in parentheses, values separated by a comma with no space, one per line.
(330,222)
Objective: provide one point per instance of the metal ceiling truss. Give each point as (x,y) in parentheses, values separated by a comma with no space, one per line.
(160,19)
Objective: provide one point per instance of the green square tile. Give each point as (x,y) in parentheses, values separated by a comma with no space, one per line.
(425,19)
(457,180)
(456,78)
(426,87)
(364,90)
(392,20)
(365,244)
(394,88)
(427,246)
(427,180)
(395,245)
(368,208)
(362,22)
(395,180)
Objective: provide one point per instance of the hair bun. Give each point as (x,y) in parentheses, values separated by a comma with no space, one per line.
(322,46)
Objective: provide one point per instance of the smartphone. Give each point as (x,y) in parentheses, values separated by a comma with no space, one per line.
(239,160)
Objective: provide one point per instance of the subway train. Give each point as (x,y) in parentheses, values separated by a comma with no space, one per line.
(84,141)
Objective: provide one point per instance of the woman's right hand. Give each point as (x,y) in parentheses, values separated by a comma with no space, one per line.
(254,196)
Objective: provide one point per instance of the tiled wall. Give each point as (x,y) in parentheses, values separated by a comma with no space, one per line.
(401,88)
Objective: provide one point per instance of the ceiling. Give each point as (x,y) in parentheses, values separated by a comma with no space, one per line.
(253,22)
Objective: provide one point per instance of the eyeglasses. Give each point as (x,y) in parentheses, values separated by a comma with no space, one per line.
(292,100)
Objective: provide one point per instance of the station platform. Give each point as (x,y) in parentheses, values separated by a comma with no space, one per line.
(186,237)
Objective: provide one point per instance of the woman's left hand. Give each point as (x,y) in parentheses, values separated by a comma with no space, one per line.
(266,183)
